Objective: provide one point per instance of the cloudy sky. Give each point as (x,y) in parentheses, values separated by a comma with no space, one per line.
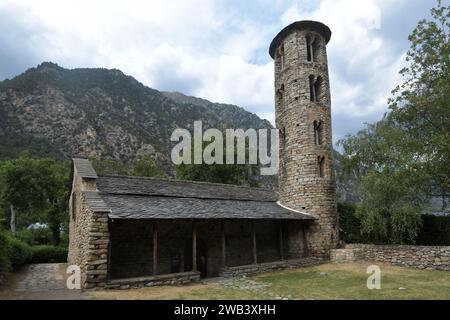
(216,50)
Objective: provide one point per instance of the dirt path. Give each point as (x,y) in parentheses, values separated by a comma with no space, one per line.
(40,282)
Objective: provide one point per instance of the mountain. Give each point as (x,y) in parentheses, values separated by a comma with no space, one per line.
(105,114)
(101,113)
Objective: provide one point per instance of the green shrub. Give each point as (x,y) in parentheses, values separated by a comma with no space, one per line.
(35,236)
(3,222)
(48,254)
(349,224)
(5,262)
(41,235)
(26,236)
(435,231)
(20,253)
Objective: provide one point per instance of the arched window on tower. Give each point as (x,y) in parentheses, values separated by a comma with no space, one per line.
(281,56)
(312,93)
(318,89)
(318,132)
(321,166)
(279,59)
(280,97)
(315,88)
(312,48)
(282,136)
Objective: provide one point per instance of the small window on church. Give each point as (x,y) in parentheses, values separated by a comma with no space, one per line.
(312,48)
(321,165)
(318,132)
(318,89)
(280,97)
(281,54)
(309,48)
(74,206)
(315,88)
(283,135)
(312,93)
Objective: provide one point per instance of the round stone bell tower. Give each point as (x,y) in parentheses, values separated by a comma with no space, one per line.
(303,117)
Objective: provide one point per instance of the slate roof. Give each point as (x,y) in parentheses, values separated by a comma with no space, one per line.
(178,188)
(84,168)
(156,207)
(95,202)
(148,198)
(299,25)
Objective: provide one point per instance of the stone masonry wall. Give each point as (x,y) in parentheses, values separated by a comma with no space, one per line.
(269,266)
(421,257)
(88,236)
(301,186)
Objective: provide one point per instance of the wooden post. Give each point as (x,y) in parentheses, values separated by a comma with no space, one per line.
(224,244)
(281,241)
(155,248)
(194,246)
(305,240)
(255,256)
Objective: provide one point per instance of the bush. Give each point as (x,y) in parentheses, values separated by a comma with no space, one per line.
(49,254)
(349,224)
(20,253)
(5,262)
(26,236)
(435,231)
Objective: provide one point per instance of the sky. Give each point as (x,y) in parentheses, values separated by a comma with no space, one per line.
(217,50)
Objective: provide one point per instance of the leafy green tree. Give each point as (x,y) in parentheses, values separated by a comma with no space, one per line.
(145,167)
(237,174)
(402,160)
(109,167)
(37,190)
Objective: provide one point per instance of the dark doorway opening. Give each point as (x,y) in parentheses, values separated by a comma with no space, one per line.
(202,257)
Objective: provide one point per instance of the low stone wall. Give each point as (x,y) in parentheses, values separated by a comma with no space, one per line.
(421,257)
(269,266)
(344,255)
(150,281)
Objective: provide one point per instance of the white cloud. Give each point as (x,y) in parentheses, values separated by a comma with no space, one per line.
(363,70)
(216,49)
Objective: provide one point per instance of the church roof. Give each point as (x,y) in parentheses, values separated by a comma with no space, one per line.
(299,25)
(84,168)
(149,198)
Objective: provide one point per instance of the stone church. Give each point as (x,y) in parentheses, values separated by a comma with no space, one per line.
(134,231)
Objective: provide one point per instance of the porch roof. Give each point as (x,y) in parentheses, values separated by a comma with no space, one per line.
(141,198)
(157,207)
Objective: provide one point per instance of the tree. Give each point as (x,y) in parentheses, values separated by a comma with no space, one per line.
(402,160)
(37,190)
(237,174)
(145,167)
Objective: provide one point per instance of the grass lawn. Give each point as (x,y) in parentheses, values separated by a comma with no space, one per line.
(341,281)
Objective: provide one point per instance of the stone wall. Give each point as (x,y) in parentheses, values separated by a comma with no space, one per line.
(421,257)
(301,186)
(269,266)
(150,281)
(88,236)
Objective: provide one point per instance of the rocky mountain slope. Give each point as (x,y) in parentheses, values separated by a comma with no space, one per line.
(105,114)
(100,113)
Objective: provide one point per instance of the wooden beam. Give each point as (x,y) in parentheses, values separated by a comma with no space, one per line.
(194,246)
(224,244)
(155,248)
(280,234)
(255,256)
